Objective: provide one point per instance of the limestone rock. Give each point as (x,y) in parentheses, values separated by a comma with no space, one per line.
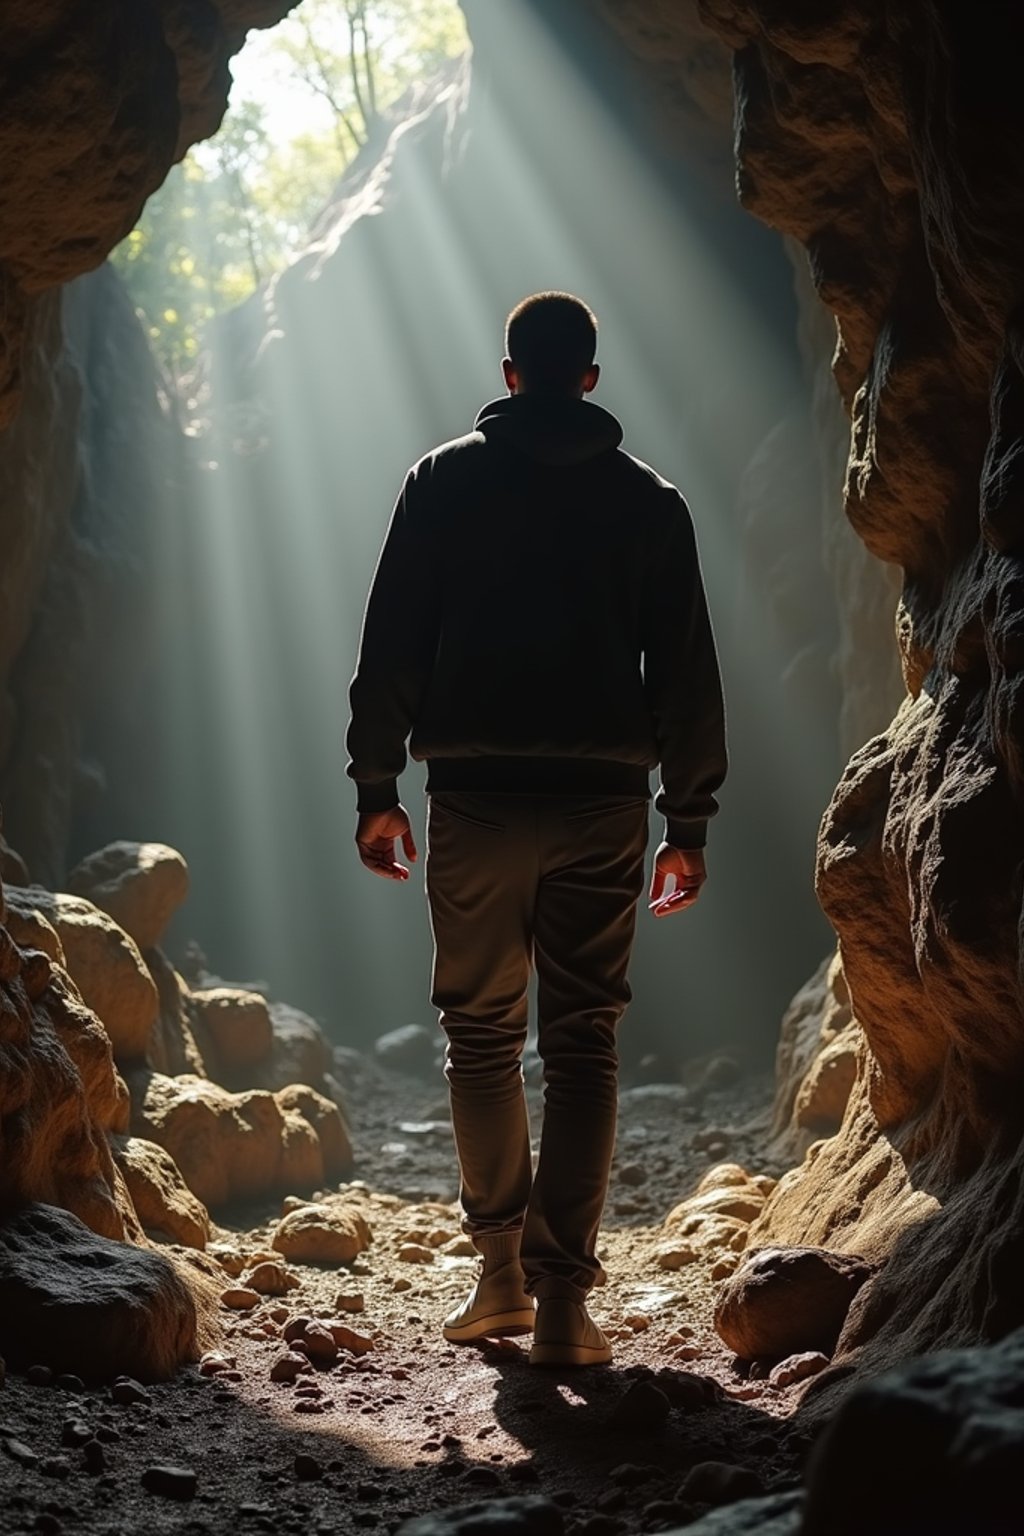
(299,1053)
(785,1301)
(412,1048)
(139,885)
(529,1515)
(713,1222)
(330,1233)
(80,1302)
(161,1197)
(230,1145)
(103,961)
(326,1119)
(238,1025)
(943,1436)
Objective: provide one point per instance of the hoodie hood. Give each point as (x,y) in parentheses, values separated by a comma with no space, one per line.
(552,431)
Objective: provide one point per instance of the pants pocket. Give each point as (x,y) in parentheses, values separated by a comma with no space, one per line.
(464,808)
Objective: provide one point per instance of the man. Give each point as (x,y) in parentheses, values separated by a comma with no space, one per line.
(537,628)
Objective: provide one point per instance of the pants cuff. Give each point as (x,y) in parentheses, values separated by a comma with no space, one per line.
(551,1287)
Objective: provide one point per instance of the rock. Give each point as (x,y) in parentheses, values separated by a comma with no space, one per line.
(350,1301)
(320,1345)
(289,1366)
(632,1174)
(18,1451)
(300,1053)
(67,1381)
(103,961)
(327,1121)
(334,1233)
(269,1279)
(642,1409)
(725,1190)
(797,1368)
(215,1361)
(237,1026)
(239,1298)
(227,1145)
(94,1457)
(785,1301)
(39,1376)
(307,1468)
(170,1482)
(415,1253)
(412,1049)
(675,1255)
(347,1338)
(522,1515)
(720,1482)
(162,1199)
(129,1393)
(139,885)
(73,1299)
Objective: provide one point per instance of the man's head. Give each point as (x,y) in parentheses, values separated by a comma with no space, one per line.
(550,339)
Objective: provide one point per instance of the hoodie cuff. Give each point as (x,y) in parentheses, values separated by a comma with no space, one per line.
(380,796)
(690,835)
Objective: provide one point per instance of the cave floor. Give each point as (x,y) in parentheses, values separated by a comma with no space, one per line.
(418,1424)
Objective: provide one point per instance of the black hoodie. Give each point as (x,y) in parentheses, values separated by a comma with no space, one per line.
(537,622)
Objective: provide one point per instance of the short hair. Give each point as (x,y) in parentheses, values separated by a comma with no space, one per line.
(551,339)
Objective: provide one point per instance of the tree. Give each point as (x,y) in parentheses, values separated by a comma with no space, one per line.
(238,209)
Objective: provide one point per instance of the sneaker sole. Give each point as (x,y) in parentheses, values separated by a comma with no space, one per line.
(499,1325)
(569,1354)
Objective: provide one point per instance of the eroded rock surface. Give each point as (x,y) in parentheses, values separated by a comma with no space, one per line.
(139,885)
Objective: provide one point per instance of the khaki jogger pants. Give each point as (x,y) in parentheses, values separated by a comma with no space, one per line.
(550,881)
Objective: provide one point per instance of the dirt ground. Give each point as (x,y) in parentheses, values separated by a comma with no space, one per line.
(418,1424)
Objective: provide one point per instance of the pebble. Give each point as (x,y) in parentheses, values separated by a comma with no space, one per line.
(633,1174)
(55,1466)
(415,1253)
(75,1432)
(215,1361)
(638,1322)
(67,1382)
(307,1468)
(94,1457)
(295,1328)
(47,1523)
(127,1391)
(347,1338)
(720,1482)
(642,1407)
(676,1255)
(401,1284)
(170,1482)
(797,1368)
(308,1405)
(18,1451)
(687,1352)
(271,1279)
(39,1376)
(289,1366)
(350,1301)
(320,1345)
(630,1474)
(240,1298)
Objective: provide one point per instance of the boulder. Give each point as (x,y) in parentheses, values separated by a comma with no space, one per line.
(413,1049)
(326,1119)
(232,1145)
(299,1052)
(788,1301)
(78,1302)
(526,1515)
(331,1232)
(237,1024)
(173,1047)
(139,885)
(162,1200)
(104,963)
(59,1094)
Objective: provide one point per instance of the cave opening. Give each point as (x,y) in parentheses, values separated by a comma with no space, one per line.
(230,1221)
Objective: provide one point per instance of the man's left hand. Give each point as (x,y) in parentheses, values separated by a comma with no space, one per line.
(376,833)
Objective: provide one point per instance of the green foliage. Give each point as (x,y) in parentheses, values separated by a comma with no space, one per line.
(238,209)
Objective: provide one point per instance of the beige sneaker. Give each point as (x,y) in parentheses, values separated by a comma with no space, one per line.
(496,1307)
(566,1334)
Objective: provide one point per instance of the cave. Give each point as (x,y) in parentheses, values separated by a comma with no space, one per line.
(229,1222)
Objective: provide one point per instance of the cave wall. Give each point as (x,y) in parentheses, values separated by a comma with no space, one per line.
(887,140)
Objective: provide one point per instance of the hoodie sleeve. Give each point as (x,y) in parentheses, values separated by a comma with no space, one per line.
(683,686)
(396,651)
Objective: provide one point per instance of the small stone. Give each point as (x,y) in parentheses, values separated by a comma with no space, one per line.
(279,1314)
(633,1174)
(687,1352)
(523,1472)
(55,1466)
(720,1482)
(215,1361)
(94,1457)
(347,1338)
(797,1368)
(482,1477)
(270,1279)
(289,1366)
(75,1432)
(675,1255)
(295,1328)
(401,1284)
(39,1376)
(308,1405)
(637,1322)
(350,1301)
(643,1407)
(67,1382)
(47,1523)
(307,1468)
(170,1482)
(127,1391)
(460,1248)
(240,1298)
(415,1253)
(18,1451)
(320,1345)
(630,1474)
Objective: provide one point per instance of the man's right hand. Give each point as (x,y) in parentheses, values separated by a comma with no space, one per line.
(687,867)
